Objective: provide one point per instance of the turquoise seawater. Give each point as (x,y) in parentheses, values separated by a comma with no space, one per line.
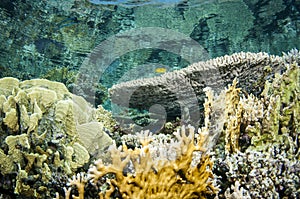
(135,3)
(136,38)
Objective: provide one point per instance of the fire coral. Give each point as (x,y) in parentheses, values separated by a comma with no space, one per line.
(148,172)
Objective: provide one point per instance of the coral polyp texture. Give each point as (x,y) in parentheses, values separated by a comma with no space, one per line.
(44,133)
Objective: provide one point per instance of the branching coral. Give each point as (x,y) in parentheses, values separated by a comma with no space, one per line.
(223,115)
(279,124)
(233,118)
(139,173)
(269,119)
(268,163)
(260,175)
(238,192)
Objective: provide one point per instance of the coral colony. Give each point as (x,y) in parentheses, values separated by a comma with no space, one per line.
(56,145)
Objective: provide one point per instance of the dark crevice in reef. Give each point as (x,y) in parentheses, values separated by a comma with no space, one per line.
(7,183)
(8,6)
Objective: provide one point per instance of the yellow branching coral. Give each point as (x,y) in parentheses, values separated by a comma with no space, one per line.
(269,119)
(223,114)
(79,181)
(138,174)
(280,120)
(233,113)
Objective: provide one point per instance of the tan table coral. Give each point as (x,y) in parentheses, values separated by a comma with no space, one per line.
(183,89)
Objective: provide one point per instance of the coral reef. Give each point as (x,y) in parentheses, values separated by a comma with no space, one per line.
(247,147)
(259,175)
(184,88)
(45,131)
(263,160)
(155,170)
(255,148)
(253,139)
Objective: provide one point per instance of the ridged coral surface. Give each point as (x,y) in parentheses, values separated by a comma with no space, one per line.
(42,130)
(183,89)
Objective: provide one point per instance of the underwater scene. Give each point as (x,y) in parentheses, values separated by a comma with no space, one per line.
(140,99)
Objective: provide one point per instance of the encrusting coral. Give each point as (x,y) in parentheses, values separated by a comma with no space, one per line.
(42,125)
(148,172)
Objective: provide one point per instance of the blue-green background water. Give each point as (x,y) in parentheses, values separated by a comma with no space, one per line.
(135,3)
(51,39)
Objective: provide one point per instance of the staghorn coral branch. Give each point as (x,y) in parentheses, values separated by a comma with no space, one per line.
(79,181)
(153,177)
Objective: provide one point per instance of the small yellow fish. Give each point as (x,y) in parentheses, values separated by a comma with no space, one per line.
(160,70)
